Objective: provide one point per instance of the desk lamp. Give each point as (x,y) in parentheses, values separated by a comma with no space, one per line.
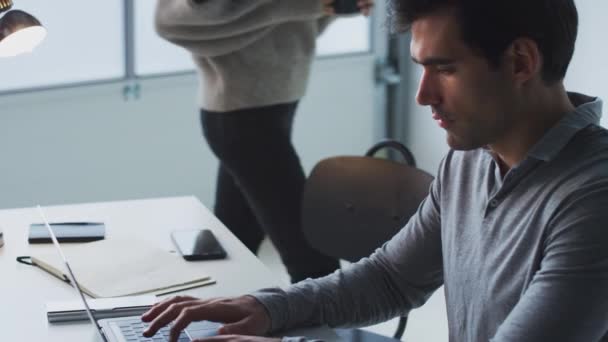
(20,32)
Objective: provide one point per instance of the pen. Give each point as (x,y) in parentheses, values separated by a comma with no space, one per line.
(210,282)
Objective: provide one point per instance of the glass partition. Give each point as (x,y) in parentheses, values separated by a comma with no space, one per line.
(587,72)
(154,55)
(345,36)
(85,42)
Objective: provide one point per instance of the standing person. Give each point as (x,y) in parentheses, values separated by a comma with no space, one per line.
(254,59)
(514,225)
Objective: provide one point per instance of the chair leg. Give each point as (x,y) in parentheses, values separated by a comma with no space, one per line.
(400,328)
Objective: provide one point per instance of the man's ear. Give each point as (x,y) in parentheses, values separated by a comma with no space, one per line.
(525,60)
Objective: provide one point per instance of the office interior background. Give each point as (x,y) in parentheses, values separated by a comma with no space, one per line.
(105,110)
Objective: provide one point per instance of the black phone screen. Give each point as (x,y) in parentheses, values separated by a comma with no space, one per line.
(345,6)
(198,244)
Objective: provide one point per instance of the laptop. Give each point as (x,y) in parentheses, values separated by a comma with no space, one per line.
(128,329)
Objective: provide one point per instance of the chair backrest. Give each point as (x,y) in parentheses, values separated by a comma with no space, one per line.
(352,205)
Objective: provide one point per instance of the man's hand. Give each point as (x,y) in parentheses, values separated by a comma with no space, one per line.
(241,315)
(365,6)
(238,338)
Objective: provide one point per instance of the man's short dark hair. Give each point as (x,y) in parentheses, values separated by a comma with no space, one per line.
(490,26)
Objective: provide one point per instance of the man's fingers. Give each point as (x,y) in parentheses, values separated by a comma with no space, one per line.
(212,311)
(215,311)
(238,338)
(217,338)
(159,307)
(168,315)
(186,316)
(243,315)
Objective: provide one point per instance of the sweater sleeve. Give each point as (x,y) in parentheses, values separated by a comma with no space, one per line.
(215,27)
(323,23)
(399,276)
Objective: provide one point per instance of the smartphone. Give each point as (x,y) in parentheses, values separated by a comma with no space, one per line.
(199,244)
(67,232)
(346,6)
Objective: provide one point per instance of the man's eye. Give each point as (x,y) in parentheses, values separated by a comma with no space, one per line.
(445,70)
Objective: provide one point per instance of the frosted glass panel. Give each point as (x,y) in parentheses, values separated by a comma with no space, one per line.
(154,55)
(345,35)
(588,72)
(85,42)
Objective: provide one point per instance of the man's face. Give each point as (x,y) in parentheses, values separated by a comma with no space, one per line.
(469,98)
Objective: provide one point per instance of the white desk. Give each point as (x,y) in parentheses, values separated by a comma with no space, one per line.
(24,289)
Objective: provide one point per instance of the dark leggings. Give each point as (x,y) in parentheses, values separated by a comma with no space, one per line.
(260,183)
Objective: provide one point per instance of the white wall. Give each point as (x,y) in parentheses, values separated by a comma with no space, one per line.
(588,73)
(88,144)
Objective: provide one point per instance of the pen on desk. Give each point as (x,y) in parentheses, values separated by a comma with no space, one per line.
(1,238)
(210,282)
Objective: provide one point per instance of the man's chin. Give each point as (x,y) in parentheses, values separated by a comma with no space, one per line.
(459,144)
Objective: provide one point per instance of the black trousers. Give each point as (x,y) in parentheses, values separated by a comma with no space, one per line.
(260,183)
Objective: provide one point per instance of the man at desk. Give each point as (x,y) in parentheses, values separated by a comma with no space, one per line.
(515,222)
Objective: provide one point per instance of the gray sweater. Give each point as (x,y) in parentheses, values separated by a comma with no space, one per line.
(249,53)
(523,257)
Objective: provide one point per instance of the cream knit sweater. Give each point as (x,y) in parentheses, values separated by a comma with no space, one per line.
(249,53)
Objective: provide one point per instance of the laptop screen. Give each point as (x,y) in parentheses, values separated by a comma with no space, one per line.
(70,274)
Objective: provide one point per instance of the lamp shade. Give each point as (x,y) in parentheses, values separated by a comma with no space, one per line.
(5,5)
(20,32)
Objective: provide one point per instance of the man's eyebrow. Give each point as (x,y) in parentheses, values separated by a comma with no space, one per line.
(434,61)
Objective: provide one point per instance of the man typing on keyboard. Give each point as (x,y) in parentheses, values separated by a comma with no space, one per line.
(514,225)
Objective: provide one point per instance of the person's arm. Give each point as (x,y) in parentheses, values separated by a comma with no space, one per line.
(568,297)
(399,276)
(323,23)
(215,27)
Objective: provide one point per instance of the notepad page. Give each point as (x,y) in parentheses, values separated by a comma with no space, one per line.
(121,267)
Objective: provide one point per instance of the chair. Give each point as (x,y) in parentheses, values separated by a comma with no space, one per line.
(365,198)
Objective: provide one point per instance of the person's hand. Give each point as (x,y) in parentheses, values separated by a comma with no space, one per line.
(238,338)
(328,7)
(365,6)
(241,315)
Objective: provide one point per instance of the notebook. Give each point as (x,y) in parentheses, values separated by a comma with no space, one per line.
(122,267)
(73,311)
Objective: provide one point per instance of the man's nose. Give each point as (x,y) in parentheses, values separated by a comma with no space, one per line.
(427,90)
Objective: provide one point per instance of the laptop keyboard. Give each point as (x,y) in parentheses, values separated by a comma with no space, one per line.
(133,329)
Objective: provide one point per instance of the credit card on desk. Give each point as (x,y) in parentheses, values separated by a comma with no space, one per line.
(73,311)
